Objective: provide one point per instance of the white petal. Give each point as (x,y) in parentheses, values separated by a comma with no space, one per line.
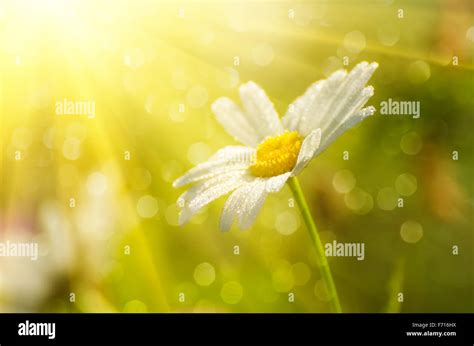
(351,95)
(245,202)
(344,126)
(300,106)
(254,201)
(203,185)
(234,121)
(274,184)
(227,159)
(259,110)
(233,205)
(306,113)
(208,192)
(308,149)
(256,196)
(327,103)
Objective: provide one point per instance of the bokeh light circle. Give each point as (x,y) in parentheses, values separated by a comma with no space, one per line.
(411,143)
(411,232)
(232,292)
(204,274)
(343,181)
(406,184)
(147,206)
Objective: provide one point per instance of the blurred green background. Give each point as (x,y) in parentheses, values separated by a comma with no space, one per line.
(153,68)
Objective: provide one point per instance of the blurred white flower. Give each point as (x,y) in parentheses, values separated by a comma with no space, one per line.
(26,284)
(274,150)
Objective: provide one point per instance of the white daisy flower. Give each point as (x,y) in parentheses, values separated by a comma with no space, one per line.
(273,150)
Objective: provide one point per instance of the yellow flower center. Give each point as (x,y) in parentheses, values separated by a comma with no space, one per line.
(277,155)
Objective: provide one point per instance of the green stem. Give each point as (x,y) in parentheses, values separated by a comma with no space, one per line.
(313,232)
